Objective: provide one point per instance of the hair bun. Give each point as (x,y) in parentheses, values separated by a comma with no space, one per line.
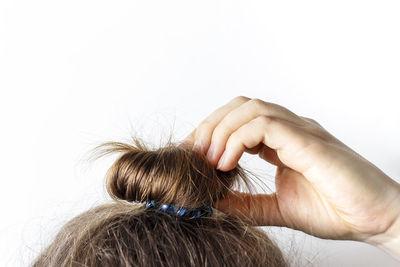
(171,174)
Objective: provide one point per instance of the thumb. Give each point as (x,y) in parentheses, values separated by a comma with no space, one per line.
(257,209)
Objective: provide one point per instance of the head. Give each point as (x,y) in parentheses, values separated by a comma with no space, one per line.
(126,233)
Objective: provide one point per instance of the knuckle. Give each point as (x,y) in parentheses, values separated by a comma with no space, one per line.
(223,129)
(257,102)
(322,135)
(314,121)
(204,125)
(265,120)
(317,123)
(262,107)
(203,128)
(240,99)
(311,120)
(234,138)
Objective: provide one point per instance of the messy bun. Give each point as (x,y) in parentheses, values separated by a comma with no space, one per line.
(122,233)
(171,174)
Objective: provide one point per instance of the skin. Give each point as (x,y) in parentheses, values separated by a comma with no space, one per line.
(323,187)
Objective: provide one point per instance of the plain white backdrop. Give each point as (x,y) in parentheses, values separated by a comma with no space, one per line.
(75,73)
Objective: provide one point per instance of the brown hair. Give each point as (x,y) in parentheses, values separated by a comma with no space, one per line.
(126,233)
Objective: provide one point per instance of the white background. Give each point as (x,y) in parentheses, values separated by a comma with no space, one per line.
(75,73)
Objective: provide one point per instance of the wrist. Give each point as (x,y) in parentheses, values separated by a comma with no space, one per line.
(389,240)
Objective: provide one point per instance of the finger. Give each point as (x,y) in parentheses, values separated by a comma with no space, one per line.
(254,150)
(248,136)
(189,140)
(202,134)
(258,210)
(279,135)
(241,115)
(266,153)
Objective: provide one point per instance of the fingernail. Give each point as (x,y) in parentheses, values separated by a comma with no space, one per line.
(210,152)
(221,161)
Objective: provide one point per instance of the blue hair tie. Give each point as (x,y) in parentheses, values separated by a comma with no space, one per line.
(184,212)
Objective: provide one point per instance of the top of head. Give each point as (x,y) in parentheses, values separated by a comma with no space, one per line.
(171,174)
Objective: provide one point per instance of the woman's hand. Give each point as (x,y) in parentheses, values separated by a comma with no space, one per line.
(322,186)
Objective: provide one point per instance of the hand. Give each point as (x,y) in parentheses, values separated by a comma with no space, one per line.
(323,187)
